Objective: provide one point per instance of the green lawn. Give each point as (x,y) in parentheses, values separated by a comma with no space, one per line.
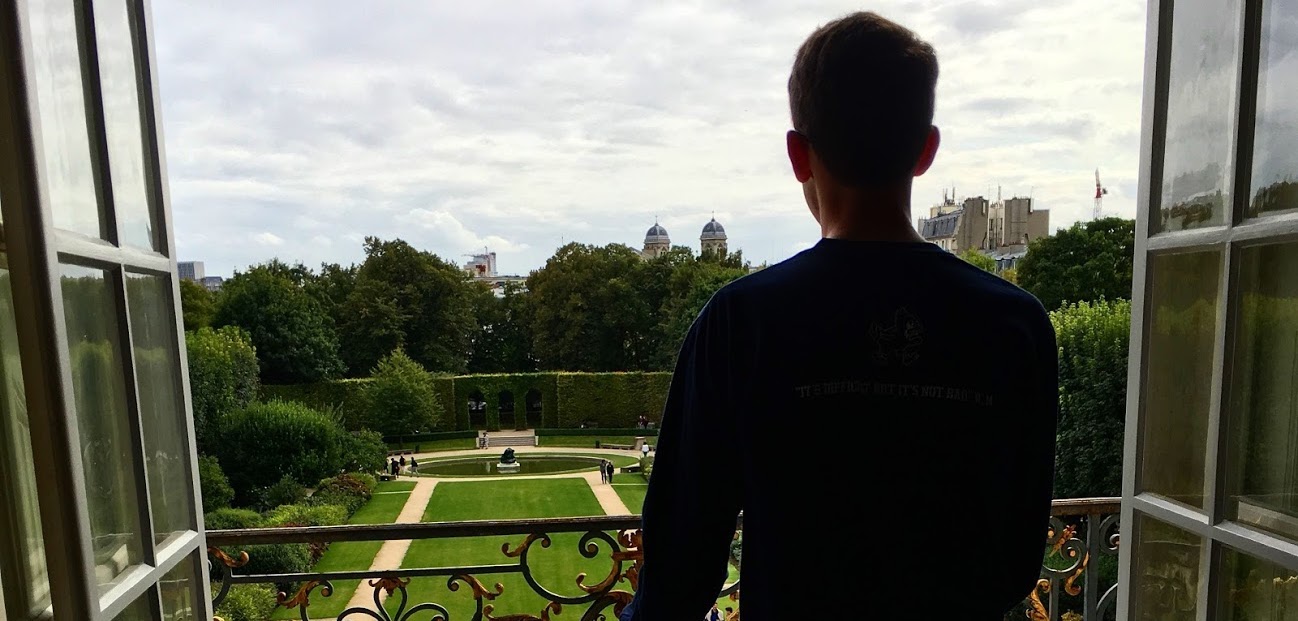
(353,555)
(555,567)
(631,488)
(394,486)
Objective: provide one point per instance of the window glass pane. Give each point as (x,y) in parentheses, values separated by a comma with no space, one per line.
(102,418)
(157,373)
(1200,114)
(1263,424)
(1275,139)
(1181,320)
(138,610)
(1256,590)
(179,597)
(1165,572)
(120,90)
(22,549)
(61,115)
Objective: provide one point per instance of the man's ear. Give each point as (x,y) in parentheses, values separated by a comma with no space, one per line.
(930,151)
(799,155)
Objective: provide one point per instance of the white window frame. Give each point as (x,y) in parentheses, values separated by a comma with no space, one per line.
(35,251)
(1211,525)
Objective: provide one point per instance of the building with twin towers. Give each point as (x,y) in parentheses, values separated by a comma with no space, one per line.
(712,239)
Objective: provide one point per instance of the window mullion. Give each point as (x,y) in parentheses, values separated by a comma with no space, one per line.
(139,450)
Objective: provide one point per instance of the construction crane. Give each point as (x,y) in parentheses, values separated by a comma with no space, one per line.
(1100,191)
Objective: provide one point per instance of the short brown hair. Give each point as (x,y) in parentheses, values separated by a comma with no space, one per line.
(862,93)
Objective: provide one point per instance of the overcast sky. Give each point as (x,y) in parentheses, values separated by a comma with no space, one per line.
(295,129)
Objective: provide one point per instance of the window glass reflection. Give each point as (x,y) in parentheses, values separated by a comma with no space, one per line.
(1182,325)
(1200,114)
(22,549)
(1275,139)
(1263,427)
(157,374)
(61,115)
(1165,572)
(120,89)
(99,386)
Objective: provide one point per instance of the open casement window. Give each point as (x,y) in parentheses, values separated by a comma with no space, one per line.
(99,501)
(1210,485)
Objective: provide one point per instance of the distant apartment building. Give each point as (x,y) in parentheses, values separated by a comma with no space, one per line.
(212,283)
(481,265)
(191,270)
(1001,228)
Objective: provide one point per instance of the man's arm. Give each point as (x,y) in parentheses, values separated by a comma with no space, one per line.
(1029,478)
(693,500)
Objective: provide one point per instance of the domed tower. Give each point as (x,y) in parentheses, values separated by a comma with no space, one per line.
(713,237)
(656,241)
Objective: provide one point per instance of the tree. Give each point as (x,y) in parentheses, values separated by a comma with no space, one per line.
(401,399)
(1093,339)
(691,286)
(979,260)
(294,337)
(588,314)
(264,442)
(197,306)
(502,342)
(217,493)
(411,299)
(222,377)
(1088,261)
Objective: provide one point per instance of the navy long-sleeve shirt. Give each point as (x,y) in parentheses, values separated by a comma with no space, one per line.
(883,414)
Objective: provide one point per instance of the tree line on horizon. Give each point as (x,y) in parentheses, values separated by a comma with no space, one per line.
(589,308)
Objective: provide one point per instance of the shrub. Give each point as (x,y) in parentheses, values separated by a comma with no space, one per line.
(401,397)
(345,490)
(646,466)
(1092,338)
(365,452)
(370,481)
(277,558)
(217,493)
(248,602)
(227,518)
(306,515)
(286,491)
(222,377)
(264,442)
(597,432)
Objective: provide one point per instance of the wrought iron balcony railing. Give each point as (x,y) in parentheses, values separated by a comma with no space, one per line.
(1077,578)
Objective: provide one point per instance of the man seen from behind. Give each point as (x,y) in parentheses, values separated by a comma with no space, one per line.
(936,382)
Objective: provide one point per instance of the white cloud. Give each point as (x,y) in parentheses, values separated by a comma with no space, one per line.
(521,126)
(269,239)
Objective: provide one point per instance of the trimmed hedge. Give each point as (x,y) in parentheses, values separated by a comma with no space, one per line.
(429,437)
(597,432)
(600,400)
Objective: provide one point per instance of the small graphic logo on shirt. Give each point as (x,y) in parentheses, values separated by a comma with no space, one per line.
(899,341)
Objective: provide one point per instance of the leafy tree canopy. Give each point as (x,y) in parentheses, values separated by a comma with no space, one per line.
(1088,261)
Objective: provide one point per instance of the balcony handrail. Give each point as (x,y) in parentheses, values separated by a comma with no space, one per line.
(1080,531)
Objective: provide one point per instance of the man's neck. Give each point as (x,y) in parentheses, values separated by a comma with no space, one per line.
(864,215)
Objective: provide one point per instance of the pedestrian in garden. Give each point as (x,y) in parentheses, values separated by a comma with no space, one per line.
(714,615)
(856,335)
(608,471)
(414,465)
(403,462)
(731,615)
(392,467)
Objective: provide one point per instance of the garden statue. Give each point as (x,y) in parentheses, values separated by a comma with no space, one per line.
(508,456)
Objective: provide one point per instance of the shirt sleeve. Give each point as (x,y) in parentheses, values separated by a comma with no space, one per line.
(1028,473)
(693,500)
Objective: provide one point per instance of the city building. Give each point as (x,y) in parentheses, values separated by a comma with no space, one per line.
(656,242)
(481,267)
(212,283)
(1001,227)
(713,238)
(191,270)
